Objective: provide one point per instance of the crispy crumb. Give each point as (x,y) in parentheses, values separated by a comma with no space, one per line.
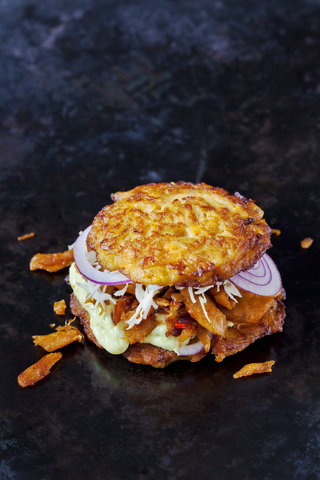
(276,231)
(306,242)
(63,336)
(254,368)
(26,236)
(51,262)
(60,307)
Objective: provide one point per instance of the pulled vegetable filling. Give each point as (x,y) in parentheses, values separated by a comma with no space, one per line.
(183,320)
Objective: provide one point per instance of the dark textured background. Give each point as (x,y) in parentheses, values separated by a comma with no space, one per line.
(101,96)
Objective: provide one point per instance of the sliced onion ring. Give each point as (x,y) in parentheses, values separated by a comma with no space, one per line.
(191,349)
(263,279)
(88,271)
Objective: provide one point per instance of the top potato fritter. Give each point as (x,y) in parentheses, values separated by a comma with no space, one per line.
(179,234)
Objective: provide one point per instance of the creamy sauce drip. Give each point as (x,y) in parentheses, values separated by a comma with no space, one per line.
(112,337)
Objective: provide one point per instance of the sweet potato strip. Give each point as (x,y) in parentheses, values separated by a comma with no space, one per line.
(254,368)
(38,370)
(214,321)
(60,307)
(51,262)
(64,335)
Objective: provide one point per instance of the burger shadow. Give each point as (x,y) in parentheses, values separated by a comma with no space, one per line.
(182,388)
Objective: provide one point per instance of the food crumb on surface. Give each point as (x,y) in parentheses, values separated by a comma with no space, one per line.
(51,262)
(26,236)
(254,368)
(63,336)
(306,242)
(60,307)
(38,370)
(276,231)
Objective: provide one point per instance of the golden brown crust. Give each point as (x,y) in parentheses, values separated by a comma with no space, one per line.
(147,354)
(179,234)
(84,316)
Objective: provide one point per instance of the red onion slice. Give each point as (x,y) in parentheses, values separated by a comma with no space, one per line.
(88,271)
(263,279)
(191,349)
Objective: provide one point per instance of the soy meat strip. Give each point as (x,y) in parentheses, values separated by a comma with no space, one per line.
(222,298)
(254,368)
(139,332)
(214,320)
(38,370)
(63,336)
(204,338)
(51,262)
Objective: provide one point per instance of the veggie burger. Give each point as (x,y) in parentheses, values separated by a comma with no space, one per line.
(174,271)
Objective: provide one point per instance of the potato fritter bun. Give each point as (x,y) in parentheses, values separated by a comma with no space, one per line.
(180,234)
(181,249)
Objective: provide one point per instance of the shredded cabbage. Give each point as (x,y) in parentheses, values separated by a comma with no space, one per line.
(144,295)
(98,293)
(231,290)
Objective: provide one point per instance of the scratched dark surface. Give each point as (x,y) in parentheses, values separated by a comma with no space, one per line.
(101,96)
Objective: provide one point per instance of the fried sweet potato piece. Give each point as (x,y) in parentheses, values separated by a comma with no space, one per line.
(51,262)
(63,336)
(254,368)
(214,321)
(38,370)
(60,307)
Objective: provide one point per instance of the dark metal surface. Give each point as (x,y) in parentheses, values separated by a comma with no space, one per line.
(101,96)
